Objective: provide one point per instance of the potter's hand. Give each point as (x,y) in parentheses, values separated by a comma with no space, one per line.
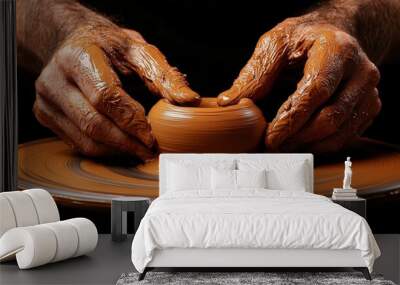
(80,97)
(336,99)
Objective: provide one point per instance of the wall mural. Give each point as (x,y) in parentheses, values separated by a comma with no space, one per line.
(100,96)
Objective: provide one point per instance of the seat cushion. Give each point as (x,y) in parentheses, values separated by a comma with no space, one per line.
(40,244)
(26,208)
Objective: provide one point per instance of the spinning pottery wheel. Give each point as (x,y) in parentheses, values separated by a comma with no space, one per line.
(72,179)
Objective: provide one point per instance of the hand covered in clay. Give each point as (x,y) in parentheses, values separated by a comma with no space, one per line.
(335,100)
(80,97)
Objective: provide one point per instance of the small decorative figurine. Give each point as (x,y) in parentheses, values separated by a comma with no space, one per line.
(347,174)
(347,192)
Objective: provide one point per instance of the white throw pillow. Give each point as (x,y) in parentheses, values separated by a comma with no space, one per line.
(251,178)
(226,179)
(183,175)
(223,179)
(291,175)
(181,178)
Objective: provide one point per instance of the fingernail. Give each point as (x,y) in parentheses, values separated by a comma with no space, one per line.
(188,96)
(223,100)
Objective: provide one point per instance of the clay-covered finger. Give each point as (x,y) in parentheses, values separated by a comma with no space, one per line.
(161,78)
(258,75)
(330,118)
(90,69)
(324,70)
(55,120)
(361,118)
(135,36)
(86,118)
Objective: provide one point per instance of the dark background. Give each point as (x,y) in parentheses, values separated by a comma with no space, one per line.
(210,41)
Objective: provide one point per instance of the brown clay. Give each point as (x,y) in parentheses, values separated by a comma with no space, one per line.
(82,182)
(336,99)
(79,95)
(208,127)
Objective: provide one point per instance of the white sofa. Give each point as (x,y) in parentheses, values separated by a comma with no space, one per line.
(31,231)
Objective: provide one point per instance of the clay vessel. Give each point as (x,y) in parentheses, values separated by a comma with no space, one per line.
(208,127)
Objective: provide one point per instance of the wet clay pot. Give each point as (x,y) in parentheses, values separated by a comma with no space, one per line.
(208,127)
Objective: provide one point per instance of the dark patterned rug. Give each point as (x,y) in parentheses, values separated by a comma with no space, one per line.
(243,278)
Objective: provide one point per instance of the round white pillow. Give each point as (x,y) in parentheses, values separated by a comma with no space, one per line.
(33,246)
(67,240)
(45,205)
(87,234)
(23,208)
(7,218)
(40,244)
